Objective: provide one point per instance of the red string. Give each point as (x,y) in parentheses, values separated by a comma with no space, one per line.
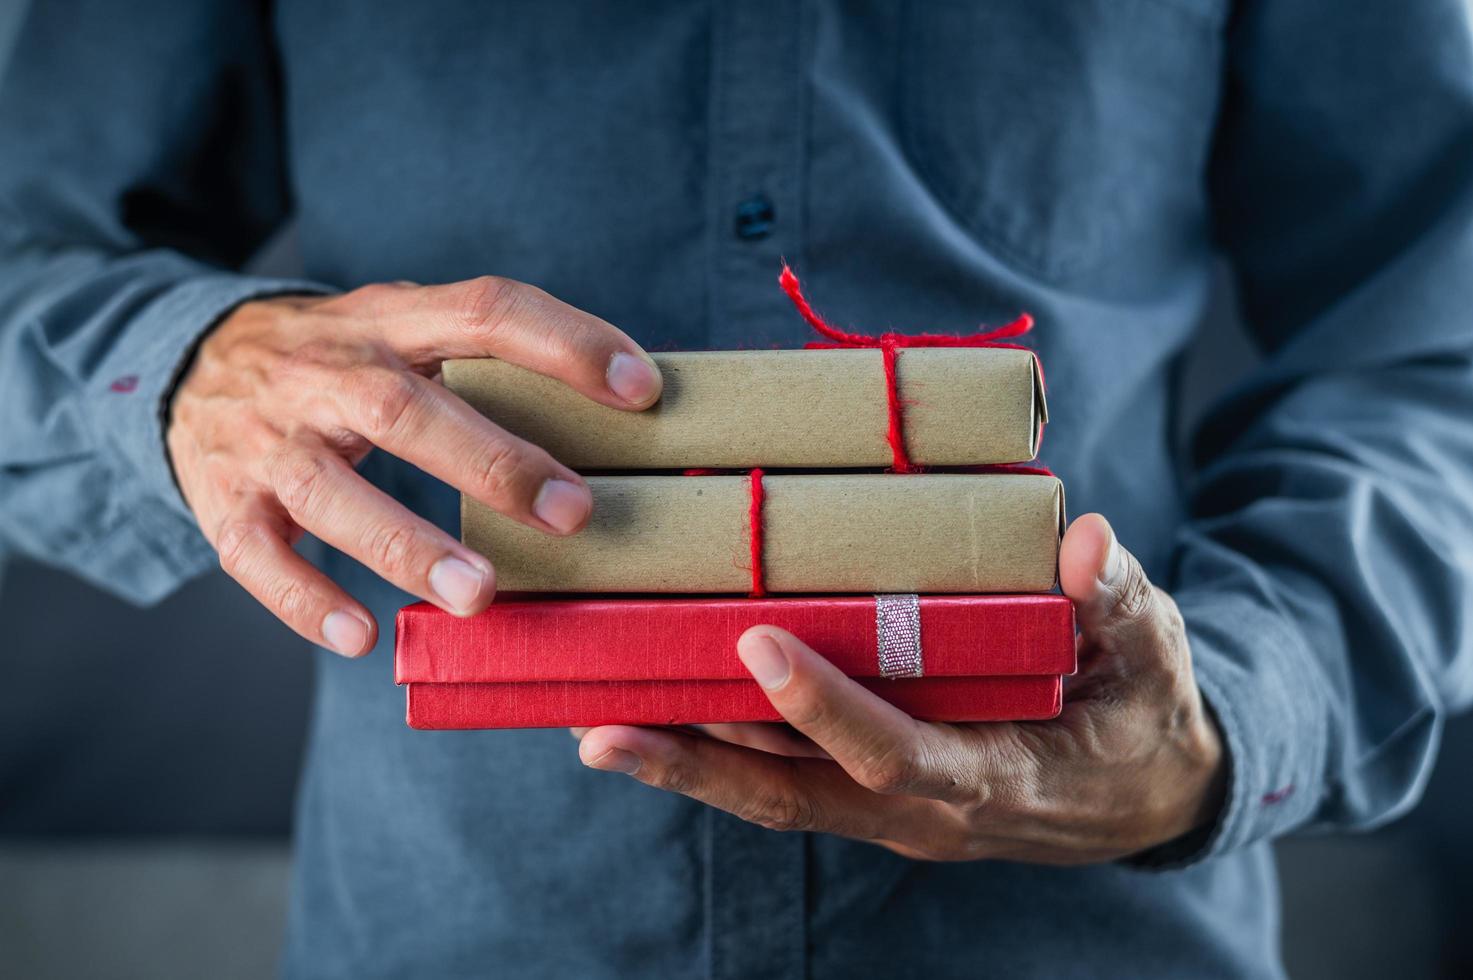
(754,523)
(758,495)
(890,345)
(1021,469)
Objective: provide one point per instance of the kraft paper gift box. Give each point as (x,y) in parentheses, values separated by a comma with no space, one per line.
(824,533)
(816,409)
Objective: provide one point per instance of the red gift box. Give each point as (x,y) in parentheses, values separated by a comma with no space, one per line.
(565,662)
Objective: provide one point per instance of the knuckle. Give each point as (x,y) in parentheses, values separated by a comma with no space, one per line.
(385,398)
(1137,594)
(369,296)
(499,471)
(978,798)
(391,547)
(569,338)
(680,778)
(485,303)
(292,599)
(297,478)
(889,774)
(310,357)
(807,708)
(783,812)
(233,544)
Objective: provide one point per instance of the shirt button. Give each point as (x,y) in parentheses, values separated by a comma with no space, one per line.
(754,218)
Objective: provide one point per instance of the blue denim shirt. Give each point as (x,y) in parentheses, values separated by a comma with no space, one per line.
(926,165)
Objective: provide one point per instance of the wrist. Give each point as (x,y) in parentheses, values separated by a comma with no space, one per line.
(1202,811)
(1211,765)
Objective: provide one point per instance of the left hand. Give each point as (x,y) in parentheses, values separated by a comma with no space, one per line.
(1134,761)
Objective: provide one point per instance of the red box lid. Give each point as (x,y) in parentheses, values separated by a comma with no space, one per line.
(695,639)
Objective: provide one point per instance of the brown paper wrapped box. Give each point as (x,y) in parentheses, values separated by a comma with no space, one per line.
(930,533)
(815,409)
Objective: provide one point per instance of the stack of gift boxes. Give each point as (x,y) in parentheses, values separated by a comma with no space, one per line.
(866,496)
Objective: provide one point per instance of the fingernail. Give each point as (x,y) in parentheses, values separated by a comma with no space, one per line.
(1114,564)
(765,660)
(345,633)
(617,760)
(457,583)
(633,379)
(562,504)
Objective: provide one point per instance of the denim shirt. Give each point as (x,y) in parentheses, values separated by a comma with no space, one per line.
(926,166)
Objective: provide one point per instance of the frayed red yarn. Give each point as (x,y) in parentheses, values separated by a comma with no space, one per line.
(1004,469)
(754,521)
(890,345)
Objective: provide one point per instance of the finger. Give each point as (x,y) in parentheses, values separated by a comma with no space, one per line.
(422,423)
(880,746)
(1117,607)
(254,551)
(777,739)
(328,498)
(494,317)
(775,792)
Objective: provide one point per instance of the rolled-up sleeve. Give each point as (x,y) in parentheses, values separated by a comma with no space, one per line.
(1326,577)
(141,168)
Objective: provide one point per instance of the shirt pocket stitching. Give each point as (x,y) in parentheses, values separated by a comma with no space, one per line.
(956,181)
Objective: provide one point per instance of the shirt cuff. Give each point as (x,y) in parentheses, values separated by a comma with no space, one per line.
(1257,679)
(131,387)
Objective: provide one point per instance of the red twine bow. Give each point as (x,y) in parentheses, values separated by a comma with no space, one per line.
(890,344)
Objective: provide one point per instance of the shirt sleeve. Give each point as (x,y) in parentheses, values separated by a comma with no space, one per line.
(1326,577)
(141,168)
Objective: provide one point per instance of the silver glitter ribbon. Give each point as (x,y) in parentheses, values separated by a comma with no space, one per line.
(898,635)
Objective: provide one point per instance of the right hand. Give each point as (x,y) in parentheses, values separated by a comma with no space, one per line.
(288,394)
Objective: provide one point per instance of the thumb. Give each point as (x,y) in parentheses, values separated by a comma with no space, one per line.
(1112,596)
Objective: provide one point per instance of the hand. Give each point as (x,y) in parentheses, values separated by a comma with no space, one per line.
(287,395)
(1134,761)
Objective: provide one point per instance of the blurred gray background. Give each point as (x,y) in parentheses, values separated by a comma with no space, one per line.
(148,760)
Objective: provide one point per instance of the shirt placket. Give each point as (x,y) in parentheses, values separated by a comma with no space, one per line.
(755,888)
(756,143)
